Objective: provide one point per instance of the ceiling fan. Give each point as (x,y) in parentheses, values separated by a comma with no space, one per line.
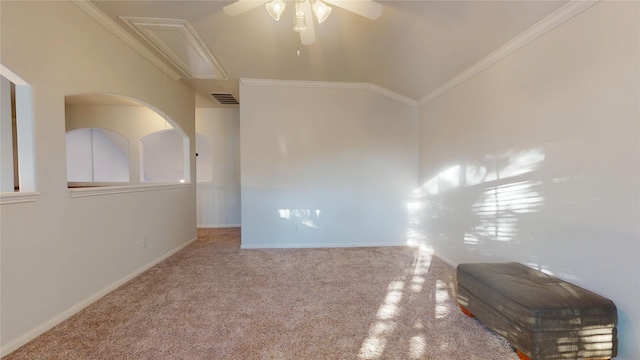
(303,20)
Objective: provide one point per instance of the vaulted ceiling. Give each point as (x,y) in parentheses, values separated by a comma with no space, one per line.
(411,49)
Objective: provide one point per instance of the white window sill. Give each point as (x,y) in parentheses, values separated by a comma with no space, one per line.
(122,189)
(18,197)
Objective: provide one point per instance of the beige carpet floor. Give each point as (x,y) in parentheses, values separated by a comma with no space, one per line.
(213,300)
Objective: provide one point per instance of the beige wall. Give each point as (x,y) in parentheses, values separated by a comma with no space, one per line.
(58,253)
(537,160)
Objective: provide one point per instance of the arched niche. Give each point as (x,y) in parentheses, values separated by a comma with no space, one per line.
(97,155)
(162,160)
(134,120)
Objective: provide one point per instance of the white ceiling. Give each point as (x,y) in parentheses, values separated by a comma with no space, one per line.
(412,49)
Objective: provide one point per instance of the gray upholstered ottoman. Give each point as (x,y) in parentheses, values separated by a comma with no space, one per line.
(541,316)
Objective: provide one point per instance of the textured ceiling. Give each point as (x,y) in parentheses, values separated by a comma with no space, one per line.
(414,47)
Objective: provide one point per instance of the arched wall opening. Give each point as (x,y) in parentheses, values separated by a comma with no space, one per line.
(135,121)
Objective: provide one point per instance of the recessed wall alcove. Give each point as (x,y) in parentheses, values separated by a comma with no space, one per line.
(97,156)
(116,140)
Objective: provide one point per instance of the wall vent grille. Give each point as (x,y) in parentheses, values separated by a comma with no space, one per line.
(225,99)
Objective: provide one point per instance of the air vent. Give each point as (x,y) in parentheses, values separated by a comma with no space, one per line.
(225,99)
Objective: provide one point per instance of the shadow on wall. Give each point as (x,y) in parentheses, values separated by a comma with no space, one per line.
(555,207)
(483,205)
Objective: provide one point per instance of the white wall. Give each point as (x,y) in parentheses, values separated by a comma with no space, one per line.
(218,167)
(537,160)
(324,165)
(162,157)
(96,155)
(58,253)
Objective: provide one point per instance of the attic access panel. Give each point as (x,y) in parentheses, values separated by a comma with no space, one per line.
(180,43)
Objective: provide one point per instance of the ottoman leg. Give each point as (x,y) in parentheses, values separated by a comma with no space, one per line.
(466,312)
(522,356)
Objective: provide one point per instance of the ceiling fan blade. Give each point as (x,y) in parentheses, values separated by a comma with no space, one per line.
(241,6)
(308,36)
(367,8)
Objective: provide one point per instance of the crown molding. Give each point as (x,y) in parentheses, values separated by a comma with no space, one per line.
(566,12)
(332,85)
(303,83)
(392,95)
(90,9)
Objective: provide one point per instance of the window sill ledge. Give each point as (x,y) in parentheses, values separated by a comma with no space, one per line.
(122,189)
(18,197)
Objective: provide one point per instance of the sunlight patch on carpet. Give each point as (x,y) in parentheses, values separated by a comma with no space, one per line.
(380,331)
(442,300)
(417,346)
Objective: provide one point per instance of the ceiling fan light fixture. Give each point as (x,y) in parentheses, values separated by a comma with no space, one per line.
(275,8)
(299,23)
(321,10)
(303,22)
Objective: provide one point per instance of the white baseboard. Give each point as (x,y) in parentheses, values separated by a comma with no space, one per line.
(32,334)
(218,226)
(317,245)
(447,260)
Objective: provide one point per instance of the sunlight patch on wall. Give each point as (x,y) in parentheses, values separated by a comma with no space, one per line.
(499,208)
(494,193)
(447,179)
(506,165)
(539,267)
(306,217)
(477,174)
(521,162)
(415,210)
